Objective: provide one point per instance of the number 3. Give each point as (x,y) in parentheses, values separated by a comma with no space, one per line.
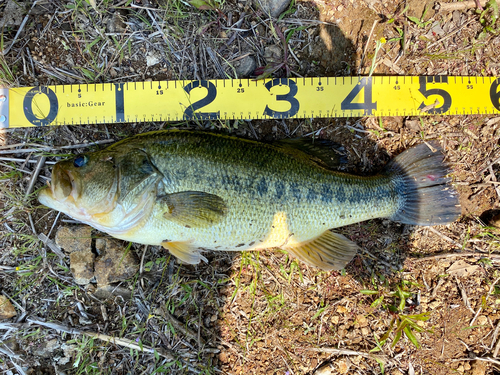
(290,98)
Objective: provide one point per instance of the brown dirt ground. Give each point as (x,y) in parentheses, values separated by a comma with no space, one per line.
(260,312)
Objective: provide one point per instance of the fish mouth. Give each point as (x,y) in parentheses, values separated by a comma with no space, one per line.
(63,184)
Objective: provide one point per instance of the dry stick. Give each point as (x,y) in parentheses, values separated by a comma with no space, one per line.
(19,368)
(494,338)
(497,348)
(347,352)
(435,290)
(481,308)
(446,237)
(484,359)
(464,295)
(179,326)
(7,49)
(17,160)
(51,244)
(5,147)
(22,170)
(114,340)
(494,180)
(450,7)
(34,175)
(160,30)
(449,35)
(489,166)
(7,351)
(366,46)
(81,145)
(492,257)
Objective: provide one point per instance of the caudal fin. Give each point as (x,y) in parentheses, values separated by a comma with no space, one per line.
(421,177)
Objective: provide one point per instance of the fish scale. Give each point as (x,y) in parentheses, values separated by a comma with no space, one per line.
(200,191)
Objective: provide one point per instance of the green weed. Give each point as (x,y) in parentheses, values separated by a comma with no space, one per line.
(393,299)
(420,21)
(488,19)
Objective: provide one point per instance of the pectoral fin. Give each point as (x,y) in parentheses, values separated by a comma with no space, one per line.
(194,209)
(184,252)
(330,251)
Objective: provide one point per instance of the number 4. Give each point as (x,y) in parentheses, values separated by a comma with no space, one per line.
(368,106)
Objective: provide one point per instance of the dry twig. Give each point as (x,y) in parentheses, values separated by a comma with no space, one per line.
(450,7)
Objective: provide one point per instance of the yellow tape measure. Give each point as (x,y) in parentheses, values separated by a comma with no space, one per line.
(105,103)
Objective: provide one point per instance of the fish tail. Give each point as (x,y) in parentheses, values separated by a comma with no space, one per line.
(421,179)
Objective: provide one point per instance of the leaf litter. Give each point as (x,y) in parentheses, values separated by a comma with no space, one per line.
(415,300)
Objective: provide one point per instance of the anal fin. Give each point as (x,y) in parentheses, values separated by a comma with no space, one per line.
(330,251)
(184,252)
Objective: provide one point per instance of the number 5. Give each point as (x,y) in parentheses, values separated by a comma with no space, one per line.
(446,102)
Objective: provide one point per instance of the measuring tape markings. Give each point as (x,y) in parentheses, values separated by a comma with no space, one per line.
(249,99)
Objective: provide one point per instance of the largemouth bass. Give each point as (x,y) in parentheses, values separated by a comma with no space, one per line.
(195,191)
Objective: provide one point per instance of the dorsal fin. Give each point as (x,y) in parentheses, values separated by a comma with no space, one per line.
(323,152)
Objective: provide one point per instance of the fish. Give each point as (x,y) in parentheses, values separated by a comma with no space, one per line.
(193,191)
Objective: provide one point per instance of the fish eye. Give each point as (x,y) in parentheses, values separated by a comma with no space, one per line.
(80,161)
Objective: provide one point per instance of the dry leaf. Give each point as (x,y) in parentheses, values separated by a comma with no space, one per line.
(462,268)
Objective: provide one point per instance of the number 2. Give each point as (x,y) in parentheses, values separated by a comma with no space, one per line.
(209,98)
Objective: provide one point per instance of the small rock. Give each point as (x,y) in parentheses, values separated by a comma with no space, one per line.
(114,264)
(110,292)
(413,125)
(115,24)
(84,321)
(436,29)
(82,266)
(335,319)
(245,66)
(361,319)
(152,58)
(69,352)
(46,349)
(396,372)
(273,54)
(325,369)
(434,305)
(207,322)
(13,14)
(223,357)
(482,320)
(461,369)
(273,7)
(74,238)
(7,311)
(341,309)
(344,365)
(365,331)
(479,368)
